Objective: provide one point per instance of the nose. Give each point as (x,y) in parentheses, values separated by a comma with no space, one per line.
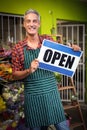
(31,23)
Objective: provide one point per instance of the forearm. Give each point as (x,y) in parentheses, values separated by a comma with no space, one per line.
(18,75)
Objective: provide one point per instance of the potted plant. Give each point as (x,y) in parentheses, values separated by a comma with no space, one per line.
(58,79)
(74,98)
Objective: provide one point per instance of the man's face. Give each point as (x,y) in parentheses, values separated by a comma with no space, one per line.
(31,23)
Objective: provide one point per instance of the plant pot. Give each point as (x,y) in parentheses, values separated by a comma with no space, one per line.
(74,102)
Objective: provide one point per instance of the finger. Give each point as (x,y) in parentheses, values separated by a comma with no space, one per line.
(36,59)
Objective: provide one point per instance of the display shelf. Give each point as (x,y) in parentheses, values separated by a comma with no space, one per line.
(69,107)
(80,124)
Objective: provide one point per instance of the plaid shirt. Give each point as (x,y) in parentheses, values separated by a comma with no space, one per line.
(18,52)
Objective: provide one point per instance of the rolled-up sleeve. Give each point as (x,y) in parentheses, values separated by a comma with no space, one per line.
(17,59)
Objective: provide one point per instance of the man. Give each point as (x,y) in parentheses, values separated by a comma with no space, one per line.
(42,103)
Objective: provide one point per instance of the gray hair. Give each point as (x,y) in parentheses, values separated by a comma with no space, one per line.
(32,11)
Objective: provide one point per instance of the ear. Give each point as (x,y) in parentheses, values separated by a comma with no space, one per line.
(39,24)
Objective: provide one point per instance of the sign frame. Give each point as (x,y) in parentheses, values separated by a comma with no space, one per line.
(61,50)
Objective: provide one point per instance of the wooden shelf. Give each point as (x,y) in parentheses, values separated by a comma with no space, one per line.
(70,106)
(76,125)
(65,88)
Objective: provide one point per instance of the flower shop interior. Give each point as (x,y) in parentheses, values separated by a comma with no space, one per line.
(64,20)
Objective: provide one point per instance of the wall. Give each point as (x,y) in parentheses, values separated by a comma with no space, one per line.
(62,9)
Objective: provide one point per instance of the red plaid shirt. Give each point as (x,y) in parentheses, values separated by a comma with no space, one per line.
(18,52)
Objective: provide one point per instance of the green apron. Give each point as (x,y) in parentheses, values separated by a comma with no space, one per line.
(42,102)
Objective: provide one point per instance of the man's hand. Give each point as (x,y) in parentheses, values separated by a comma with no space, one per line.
(34,65)
(75,47)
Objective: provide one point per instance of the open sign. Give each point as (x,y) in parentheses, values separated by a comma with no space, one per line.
(58,58)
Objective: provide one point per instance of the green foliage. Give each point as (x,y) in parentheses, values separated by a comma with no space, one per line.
(58,77)
(74,97)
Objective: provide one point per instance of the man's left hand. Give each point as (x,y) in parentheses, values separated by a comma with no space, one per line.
(75,47)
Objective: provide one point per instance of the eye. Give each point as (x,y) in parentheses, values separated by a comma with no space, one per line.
(27,21)
(35,21)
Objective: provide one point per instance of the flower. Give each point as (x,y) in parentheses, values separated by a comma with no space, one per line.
(13,94)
